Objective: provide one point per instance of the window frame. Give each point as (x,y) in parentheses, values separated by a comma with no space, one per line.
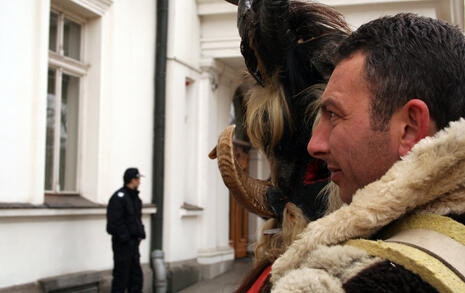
(77,68)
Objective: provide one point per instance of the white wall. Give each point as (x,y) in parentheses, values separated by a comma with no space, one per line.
(195,116)
(117,119)
(356,15)
(23,78)
(183,32)
(116,132)
(127,100)
(40,247)
(219,26)
(179,233)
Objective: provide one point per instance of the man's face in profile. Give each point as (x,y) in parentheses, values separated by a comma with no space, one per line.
(355,154)
(136,182)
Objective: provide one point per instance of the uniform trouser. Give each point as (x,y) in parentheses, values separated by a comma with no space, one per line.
(127,273)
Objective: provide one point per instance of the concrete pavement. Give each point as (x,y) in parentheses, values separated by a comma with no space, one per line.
(225,283)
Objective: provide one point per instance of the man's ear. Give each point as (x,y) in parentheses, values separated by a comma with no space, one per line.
(415,123)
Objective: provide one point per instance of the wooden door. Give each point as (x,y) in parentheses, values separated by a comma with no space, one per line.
(238,224)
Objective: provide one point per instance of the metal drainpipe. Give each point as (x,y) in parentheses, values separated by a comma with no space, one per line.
(159,141)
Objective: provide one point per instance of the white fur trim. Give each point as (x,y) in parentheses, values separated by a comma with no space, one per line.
(307,280)
(342,262)
(333,265)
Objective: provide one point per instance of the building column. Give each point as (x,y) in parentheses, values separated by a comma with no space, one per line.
(258,168)
(214,253)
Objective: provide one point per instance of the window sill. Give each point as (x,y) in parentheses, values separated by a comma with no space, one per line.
(60,205)
(189,210)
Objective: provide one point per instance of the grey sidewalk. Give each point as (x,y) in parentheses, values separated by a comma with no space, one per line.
(225,283)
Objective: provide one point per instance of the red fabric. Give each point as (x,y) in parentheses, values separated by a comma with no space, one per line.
(260,281)
(311,173)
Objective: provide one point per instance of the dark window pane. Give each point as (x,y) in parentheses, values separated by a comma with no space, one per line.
(69,132)
(53,32)
(50,131)
(72,39)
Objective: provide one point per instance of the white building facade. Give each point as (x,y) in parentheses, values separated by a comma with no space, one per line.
(77,110)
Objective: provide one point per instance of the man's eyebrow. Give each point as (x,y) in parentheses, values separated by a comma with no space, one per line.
(330,102)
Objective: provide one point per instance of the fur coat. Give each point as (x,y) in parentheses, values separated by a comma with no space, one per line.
(430,179)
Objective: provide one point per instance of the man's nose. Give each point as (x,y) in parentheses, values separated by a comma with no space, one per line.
(318,145)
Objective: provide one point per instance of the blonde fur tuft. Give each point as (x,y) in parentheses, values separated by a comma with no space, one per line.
(267,111)
(272,246)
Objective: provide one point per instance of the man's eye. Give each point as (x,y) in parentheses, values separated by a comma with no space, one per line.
(332,115)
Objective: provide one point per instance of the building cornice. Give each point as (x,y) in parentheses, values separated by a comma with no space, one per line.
(97,6)
(87,8)
(218,7)
(47,212)
(215,7)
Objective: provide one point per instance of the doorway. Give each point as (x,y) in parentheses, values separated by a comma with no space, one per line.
(238,215)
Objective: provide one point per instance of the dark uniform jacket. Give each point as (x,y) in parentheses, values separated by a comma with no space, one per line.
(124,213)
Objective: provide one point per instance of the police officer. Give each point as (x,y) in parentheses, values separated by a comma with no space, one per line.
(124,223)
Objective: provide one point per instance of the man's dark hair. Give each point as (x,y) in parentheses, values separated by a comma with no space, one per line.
(411,57)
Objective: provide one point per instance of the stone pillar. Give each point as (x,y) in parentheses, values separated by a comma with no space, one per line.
(214,253)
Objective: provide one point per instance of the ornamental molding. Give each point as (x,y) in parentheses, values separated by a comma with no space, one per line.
(213,70)
(87,8)
(215,7)
(227,47)
(218,7)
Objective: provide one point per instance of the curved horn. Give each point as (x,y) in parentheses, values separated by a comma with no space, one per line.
(248,191)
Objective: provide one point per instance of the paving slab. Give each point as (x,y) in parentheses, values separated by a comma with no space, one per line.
(225,283)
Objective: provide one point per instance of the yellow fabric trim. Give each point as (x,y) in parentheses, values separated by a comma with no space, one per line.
(427,267)
(440,224)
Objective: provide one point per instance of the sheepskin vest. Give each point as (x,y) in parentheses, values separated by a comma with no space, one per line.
(428,180)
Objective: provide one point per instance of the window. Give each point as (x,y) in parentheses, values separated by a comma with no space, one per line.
(65,74)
